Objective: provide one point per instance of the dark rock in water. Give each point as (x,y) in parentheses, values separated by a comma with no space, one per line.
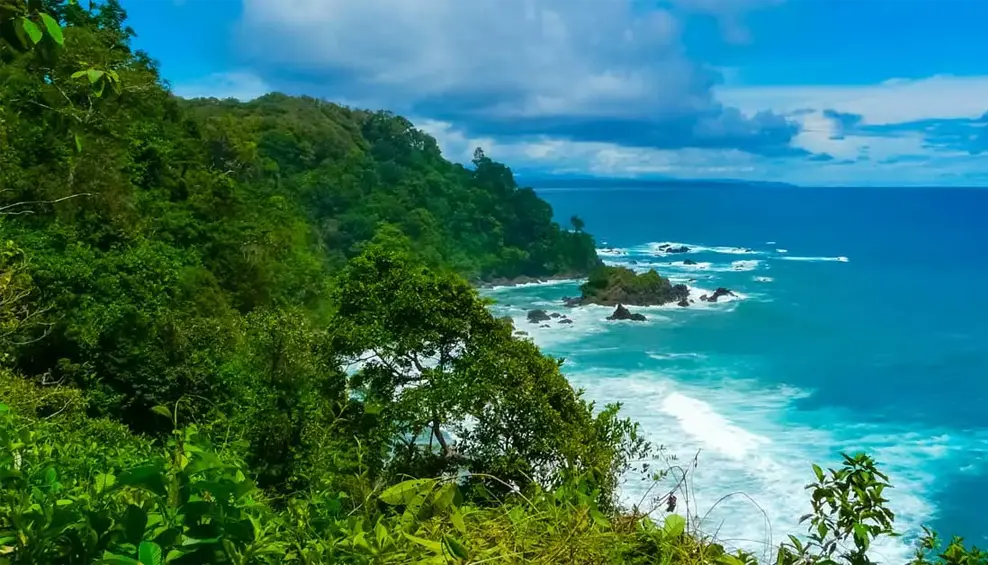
(571,302)
(717,294)
(691,280)
(633,262)
(680,249)
(684,303)
(664,246)
(545,326)
(622,313)
(565,321)
(536,316)
(689,262)
(554,315)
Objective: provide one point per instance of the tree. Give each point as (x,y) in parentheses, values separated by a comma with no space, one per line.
(577,223)
(457,388)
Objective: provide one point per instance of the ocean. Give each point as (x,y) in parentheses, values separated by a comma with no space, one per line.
(861,324)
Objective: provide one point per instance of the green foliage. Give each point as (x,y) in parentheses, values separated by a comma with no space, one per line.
(620,285)
(244,333)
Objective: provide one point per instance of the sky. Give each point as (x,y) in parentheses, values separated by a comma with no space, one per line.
(810,92)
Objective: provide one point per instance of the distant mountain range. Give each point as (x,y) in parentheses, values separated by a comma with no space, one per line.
(563,181)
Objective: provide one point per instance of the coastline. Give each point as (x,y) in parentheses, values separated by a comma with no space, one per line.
(504,282)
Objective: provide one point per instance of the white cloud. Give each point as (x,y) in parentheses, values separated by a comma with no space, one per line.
(820,133)
(611,160)
(243,86)
(891,102)
(559,53)
(503,65)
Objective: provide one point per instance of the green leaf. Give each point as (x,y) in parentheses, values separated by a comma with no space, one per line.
(445,496)
(458,522)
(674,526)
(433,546)
(78,142)
(4,408)
(31,29)
(114,559)
(54,30)
(105,481)
(78,74)
(149,553)
(148,477)
(162,411)
(135,521)
(728,559)
(818,472)
(455,547)
(599,518)
(404,492)
(94,75)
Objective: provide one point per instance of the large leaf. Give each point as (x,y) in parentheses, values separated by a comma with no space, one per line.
(114,559)
(149,553)
(674,526)
(433,546)
(31,29)
(149,477)
(404,492)
(54,30)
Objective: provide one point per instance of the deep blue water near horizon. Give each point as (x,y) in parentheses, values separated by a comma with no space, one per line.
(863,325)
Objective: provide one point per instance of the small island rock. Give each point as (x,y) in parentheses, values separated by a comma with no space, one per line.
(536,316)
(622,313)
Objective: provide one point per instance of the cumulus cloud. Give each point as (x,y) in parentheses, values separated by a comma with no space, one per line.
(583,70)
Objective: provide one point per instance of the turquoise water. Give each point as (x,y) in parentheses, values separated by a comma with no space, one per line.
(862,323)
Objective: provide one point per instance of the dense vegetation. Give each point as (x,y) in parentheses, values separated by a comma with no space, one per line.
(244,333)
(610,286)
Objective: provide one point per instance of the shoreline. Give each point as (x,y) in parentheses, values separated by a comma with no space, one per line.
(525,280)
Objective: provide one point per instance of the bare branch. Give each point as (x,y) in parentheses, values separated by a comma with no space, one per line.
(4,209)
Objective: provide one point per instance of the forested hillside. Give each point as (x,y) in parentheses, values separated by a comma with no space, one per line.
(245,333)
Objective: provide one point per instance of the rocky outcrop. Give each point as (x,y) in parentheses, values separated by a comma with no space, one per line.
(720,292)
(622,313)
(689,262)
(611,286)
(680,249)
(683,303)
(565,321)
(536,316)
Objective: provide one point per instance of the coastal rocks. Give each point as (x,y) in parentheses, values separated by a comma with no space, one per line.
(717,294)
(683,303)
(689,262)
(612,286)
(536,316)
(622,313)
(565,321)
(570,302)
(669,248)
(555,315)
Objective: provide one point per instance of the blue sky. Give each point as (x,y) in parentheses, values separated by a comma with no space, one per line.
(815,92)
